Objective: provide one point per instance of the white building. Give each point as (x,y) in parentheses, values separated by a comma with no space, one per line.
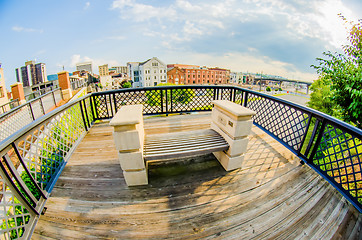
(236,77)
(87,66)
(147,74)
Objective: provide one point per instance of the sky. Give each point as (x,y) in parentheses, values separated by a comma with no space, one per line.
(277,37)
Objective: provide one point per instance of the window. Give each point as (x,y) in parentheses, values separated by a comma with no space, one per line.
(154,64)
(2,92)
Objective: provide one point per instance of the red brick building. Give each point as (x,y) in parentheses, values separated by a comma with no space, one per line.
(191,74)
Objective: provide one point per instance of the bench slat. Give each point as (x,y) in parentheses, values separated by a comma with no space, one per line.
(185,144)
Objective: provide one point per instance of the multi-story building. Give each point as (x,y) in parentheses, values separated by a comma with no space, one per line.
(103,70)
(31,74)
(176,75)
(237,78)
(146,74)
(87,66)
(3,93)
(197,75)
(118,69)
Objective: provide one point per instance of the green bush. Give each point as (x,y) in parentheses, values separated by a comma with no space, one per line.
(268,89)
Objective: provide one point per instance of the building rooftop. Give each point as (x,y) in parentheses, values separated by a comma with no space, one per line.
(271,196)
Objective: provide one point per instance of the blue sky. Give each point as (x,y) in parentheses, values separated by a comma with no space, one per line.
(280,37)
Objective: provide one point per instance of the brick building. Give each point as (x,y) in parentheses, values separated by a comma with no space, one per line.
(191,74)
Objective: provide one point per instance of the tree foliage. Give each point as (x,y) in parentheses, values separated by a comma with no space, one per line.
(338,91)
(126,85)
(182,96)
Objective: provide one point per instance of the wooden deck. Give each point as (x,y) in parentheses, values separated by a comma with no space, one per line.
(271,197)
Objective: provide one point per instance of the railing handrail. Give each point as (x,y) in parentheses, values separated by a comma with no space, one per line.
(27,103)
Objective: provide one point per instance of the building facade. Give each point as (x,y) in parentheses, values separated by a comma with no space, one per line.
(86,66)
(197,75)
(103,70)
(147,74)
(31,74)
(237,78)
(3,93)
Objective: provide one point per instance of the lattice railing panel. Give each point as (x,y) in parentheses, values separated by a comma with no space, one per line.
(45,148)
(285,122)
(339,155)
(225,94)
(238,97)
(14,121)
(102,105)
(14,217)
(151,100)
(184,100)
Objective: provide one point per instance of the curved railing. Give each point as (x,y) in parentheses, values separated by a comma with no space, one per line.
(32,160)
(13,120)
(33,157)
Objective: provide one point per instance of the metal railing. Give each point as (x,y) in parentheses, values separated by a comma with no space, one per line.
(76,84)
(331,147)
(18,117)
(31,162)
(34,156)
(8,106)
(38,93)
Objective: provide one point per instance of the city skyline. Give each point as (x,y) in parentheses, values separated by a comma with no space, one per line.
(275,37)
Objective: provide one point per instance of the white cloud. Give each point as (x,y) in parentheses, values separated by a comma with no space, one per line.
(87,5)
(22,29)
(141,12)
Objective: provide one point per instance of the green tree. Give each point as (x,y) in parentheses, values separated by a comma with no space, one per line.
(343,74)
(320,98)
(183,96)
(126,85)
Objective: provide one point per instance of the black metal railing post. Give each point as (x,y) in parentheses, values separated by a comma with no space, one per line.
(115,103)
(13,186)
(171,100)
(83,118)
(166,97)
(86,113)
(32,180)
(161,93)
(245,100)
(318,141)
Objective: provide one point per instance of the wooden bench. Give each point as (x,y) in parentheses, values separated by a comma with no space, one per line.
(184,144)
(227,140)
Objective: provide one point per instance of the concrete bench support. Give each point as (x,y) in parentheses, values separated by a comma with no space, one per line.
(129,139)
(233,122)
